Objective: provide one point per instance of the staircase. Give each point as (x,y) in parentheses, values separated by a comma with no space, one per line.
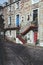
(21,39)
(26,28)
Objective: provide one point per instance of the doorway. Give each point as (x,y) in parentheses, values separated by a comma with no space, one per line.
(35,17)
(17,20)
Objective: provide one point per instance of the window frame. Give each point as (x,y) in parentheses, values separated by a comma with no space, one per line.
(35,1)
(16,5)
(9,20)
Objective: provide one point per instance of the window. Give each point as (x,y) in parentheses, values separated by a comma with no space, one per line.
(8,8)
(35,16)
(10,32)
(34,1)
(28,18)
(9,20)
(17,20)
(12,7)
(11,1)
(17,5)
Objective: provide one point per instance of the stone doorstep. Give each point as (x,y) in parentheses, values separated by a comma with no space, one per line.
(28,44)
(11,39)
(31,45)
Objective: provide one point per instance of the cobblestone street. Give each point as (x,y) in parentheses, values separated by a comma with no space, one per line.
(12,54)
(16,54)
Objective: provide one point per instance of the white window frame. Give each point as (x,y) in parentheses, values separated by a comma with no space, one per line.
(34,1)
(9,20)
(38,12)
(8,8)
(12,7)
(17,5)
(19,18)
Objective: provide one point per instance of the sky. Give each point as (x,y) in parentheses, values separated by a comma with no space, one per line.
(2,1)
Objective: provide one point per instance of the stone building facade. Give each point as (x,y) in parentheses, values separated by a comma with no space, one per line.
(25,13)
(9,20)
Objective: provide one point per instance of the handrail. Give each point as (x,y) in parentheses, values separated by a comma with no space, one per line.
(27,25)
(24,26)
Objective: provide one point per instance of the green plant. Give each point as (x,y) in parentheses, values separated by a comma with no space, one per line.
(28,38)
(14,38)
(37,42)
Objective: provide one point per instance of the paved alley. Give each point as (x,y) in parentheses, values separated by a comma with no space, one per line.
(16,54)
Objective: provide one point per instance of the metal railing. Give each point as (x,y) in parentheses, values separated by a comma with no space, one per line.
(9,26)
(26,25)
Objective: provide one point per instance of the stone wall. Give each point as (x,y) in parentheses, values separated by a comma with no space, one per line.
(25,8)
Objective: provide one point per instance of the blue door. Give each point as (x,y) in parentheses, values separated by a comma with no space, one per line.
(17,20)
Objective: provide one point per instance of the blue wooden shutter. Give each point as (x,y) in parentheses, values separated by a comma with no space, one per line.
(17,20)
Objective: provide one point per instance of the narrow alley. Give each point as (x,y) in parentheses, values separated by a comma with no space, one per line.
(17,54)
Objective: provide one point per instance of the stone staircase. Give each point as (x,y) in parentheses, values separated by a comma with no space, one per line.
(24,29)
(21,39)
(28,27)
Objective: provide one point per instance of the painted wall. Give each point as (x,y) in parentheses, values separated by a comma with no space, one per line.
(30,37)
(41,23)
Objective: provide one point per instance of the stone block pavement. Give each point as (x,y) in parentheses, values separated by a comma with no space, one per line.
(16,54)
